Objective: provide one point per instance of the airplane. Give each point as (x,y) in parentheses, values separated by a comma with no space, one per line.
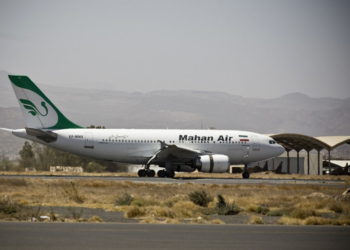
(173,150)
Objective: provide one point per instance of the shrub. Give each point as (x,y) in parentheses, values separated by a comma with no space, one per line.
(275,212)
(285,220)
(144,202)
(302,213)
(336,207)
(170,202)
(224,208)
(71,191)
(185,209)
(263,210)
(8,206)
(53,216)
(221,202)
(256,220)
(34,212)
(134,211)
(259,209)
(200,198)
(95,219)
(317,221)
(124,200)
(163,212)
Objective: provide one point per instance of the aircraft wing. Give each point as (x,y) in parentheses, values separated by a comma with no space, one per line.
(174,153)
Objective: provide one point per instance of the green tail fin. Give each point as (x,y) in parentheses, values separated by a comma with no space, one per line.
(38,110)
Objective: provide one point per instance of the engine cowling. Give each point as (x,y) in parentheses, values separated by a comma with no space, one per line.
(214,163)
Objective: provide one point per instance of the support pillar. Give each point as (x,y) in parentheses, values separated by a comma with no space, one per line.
(329,161)
(298,162)
(318,162)
(308,162)
(288,162)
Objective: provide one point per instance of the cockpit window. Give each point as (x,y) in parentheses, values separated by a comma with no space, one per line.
(272,142)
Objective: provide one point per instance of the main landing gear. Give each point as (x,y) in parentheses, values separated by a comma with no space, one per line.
(165,173)
(245,174)
(144,172)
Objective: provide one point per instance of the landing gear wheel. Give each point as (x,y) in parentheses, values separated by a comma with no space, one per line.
(150,173)
(245,175)
(161,173)
(170,174)
(141,173)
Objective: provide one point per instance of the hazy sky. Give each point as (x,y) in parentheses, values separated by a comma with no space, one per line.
(249,48)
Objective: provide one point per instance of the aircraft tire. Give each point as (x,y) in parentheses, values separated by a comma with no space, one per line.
(161,173)
(245,175)
(141,173)
(151,173)
(170,174)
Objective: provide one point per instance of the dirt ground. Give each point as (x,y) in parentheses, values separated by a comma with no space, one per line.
(27,199)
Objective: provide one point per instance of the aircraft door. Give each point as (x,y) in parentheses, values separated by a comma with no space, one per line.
(246,150)
(89,140)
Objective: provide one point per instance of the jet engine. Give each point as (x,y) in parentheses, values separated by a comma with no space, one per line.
(214,163)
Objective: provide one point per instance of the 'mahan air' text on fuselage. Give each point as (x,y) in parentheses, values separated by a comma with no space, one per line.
(222,138)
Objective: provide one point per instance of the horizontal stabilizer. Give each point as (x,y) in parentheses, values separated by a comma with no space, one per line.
(46,136)
(6,129)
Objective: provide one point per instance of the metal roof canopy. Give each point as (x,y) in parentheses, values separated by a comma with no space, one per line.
(298,141)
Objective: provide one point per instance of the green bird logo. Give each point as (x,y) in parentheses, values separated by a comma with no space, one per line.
(32,109)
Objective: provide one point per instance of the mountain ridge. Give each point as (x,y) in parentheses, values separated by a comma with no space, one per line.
(186,109)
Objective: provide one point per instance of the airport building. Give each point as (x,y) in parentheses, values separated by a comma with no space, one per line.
(303,155)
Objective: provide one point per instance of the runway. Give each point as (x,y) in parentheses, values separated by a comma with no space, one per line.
(199,180)
(16,235)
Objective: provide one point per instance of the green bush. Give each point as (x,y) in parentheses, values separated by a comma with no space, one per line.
(224,208)
(200,198)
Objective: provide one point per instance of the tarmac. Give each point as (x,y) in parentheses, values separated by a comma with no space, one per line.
(26,235)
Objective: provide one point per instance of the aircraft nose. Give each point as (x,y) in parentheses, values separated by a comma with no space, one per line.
(280,149)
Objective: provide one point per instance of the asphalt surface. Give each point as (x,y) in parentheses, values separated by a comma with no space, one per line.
(15,235)
(200,180)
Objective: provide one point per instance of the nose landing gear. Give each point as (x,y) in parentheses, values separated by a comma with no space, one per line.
(245,174)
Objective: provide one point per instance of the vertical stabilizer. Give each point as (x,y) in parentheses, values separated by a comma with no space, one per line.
(38,110)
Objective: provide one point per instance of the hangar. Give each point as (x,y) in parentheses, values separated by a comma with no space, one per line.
(299,142)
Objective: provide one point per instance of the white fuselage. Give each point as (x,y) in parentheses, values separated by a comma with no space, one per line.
(136,146)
